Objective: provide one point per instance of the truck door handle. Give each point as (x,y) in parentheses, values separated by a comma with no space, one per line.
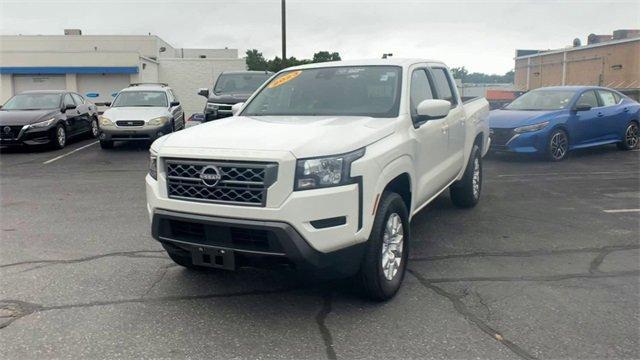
(600,114)
(625,109)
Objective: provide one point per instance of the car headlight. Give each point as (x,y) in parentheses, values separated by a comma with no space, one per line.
(43,124)
(104,121)
(530,128)
(326,171)
(159,121)
(153,165)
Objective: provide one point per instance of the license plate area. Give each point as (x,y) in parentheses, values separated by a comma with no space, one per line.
(213,257)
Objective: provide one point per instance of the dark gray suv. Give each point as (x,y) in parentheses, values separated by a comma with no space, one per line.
(231,88)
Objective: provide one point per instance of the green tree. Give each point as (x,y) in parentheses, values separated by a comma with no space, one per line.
(324,56)
(255,60)
(459,73)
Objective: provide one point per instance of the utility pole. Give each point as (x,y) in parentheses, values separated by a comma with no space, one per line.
(284,35)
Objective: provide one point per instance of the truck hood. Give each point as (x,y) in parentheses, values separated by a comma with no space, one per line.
(25,117)
(228,98)
(516,118)
(303,136)
(135,113)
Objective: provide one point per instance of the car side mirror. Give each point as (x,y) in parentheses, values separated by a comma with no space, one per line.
(68,107)
(235,108)
(174,103)
(582,107)
(432,109)
(204,92)
(108,103)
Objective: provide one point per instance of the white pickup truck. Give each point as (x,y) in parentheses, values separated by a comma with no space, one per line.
(321,169)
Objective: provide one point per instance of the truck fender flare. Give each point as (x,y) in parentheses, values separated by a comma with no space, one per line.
(395,168)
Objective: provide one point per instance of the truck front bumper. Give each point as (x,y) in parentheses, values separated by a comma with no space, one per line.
(221,242)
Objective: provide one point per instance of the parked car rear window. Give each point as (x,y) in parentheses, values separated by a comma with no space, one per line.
(141,98)
(33,102)
(588,98)
(543,100)
(346,90)
(239,83)
(607,98)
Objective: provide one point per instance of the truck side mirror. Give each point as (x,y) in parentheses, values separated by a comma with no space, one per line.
(582,107)
(204,92)
(174,103)
(432,109)
(236,108)
(68,107)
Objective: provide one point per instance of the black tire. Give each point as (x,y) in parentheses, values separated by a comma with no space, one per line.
(181,257)
(465,193)
(558,145)
(371,276)
(106,144)
(59,137)
(631,140)
(94,129)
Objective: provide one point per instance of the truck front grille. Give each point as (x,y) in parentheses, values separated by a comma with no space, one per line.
(238,183)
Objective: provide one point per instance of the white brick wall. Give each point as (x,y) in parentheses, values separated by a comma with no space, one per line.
(186,76)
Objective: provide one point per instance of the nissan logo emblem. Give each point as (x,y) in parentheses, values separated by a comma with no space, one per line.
(7,130)
(210,175)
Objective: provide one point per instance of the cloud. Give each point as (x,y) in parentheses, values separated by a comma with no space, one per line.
(480,35)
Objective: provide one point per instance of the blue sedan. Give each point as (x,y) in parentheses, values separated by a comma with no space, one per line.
(555,120)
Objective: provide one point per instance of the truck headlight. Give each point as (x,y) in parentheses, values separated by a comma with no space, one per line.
(153,165)
(43,124)
(159,121)
(326,171)
(104,121)
(530,128)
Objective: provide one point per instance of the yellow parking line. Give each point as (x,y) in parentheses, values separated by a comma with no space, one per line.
(69,153)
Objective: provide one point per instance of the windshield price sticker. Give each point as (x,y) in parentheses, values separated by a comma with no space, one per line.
(284,78)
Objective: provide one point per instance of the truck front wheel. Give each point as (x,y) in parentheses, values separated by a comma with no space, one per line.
(465,193)
(385,260)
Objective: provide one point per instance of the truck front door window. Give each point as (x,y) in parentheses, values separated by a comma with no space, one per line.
(420,90)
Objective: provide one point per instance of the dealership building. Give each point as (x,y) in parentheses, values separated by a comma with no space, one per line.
(98,66)
(606,60)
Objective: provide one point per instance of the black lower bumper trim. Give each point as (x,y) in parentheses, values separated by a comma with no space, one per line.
(283,240)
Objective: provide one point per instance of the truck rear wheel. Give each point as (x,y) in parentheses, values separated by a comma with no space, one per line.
(465,193)
(385,260)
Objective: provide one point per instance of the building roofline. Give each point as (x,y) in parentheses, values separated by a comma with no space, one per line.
(577,48)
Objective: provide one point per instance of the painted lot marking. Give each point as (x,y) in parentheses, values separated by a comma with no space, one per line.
(570,174)
(616,211)
(69,153)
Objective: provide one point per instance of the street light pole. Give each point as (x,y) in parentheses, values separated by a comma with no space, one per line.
(284,35)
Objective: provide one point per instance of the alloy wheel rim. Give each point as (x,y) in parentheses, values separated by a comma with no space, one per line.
(558,145)
(61,136)
(476,178)
(631,136)
(392,246)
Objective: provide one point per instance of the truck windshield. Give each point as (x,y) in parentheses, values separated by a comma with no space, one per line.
(33,102)
(239,83)
(541,100)
(349,91)
(140,98)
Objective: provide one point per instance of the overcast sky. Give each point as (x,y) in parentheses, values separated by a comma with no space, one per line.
(480,35)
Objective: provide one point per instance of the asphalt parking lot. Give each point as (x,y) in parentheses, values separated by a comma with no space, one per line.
(547,266)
